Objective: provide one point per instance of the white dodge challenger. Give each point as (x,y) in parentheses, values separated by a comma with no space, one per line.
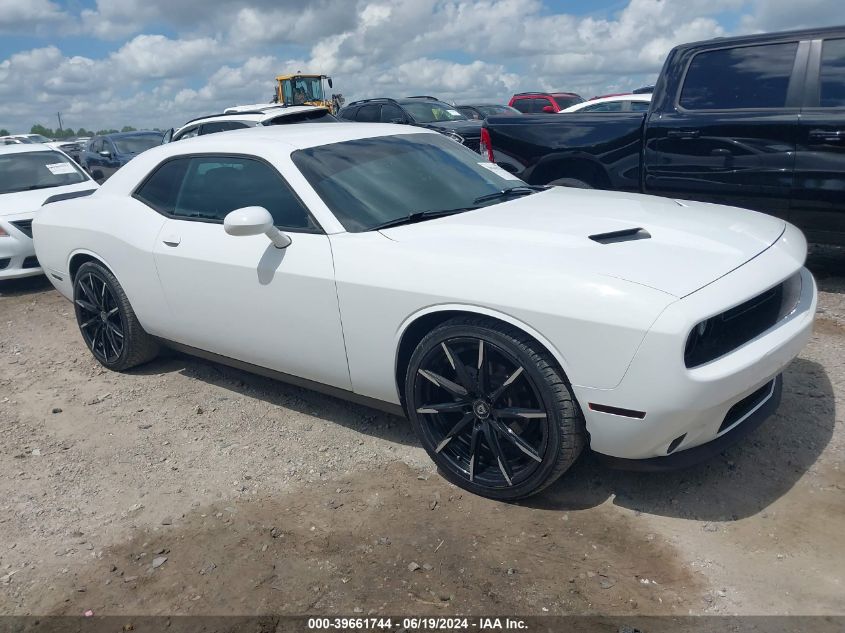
(392,266)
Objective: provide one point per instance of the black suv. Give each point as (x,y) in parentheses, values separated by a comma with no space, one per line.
(426,112)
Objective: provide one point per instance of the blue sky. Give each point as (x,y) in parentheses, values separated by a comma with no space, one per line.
(109,63)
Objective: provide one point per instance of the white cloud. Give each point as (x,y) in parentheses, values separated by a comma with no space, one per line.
(456,49)
(22,16)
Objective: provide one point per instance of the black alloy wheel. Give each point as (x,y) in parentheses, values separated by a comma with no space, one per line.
(492,409)
(99,317)
(106,320)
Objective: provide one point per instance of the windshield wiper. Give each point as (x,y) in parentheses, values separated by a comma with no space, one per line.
(521,190)
(418,216)
(31,188)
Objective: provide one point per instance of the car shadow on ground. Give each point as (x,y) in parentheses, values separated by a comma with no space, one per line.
(827,263)
(335,410)
(744,480)
(24,286)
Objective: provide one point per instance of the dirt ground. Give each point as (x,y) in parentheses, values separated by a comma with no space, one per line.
(190,488)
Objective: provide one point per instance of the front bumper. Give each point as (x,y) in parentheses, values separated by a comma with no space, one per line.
(17,252)
(687,407)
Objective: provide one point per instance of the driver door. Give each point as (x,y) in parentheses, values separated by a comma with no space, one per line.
(241,297)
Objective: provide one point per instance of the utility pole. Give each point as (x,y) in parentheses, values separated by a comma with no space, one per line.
(59,115)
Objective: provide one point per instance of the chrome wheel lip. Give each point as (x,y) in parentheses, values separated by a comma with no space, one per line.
(522,459)
(100,319)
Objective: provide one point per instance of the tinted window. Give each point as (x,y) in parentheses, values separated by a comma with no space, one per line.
(523,105)
(222,126)
(568,100)
(390,113)
(640,106)
(209,187)
(37,170)
(833,74)
(609,106)
(368,114)
(348,113)
(369,181)
(537,105)
(162,188)
(431,111)
(745,77)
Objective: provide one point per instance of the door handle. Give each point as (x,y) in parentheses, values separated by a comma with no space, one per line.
(172,240)
(683,133)
(827,135)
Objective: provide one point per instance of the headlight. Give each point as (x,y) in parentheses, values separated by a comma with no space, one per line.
(455,137)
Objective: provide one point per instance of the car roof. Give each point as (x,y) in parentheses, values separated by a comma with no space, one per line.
(236,113)
(20,148)
(643,98)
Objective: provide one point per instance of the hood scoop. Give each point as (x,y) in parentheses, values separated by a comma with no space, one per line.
(625,235)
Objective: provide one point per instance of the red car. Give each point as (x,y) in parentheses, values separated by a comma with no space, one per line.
(538,102)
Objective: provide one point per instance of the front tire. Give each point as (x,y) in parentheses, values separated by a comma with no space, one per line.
(107,322)
(492,409)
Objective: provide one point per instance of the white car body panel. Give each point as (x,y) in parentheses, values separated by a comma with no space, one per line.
(24,205)
(640,98)
(333,308)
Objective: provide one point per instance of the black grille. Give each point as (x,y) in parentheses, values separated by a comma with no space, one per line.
(24,226)
(30,262)
(727,331)
(746,405)
(4,262)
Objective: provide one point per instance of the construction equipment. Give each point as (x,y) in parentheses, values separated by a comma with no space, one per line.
(306,89)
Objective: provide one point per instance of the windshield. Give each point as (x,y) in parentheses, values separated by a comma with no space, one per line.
(37,138)
(564,101)
(37,170)
(136,144)
(307,89)
(431,111)
(370,181)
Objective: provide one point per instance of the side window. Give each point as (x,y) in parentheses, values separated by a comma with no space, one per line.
(221,126)
(832,77)
(539,104)
(96,145)
(390,113)
(737,78)
(608,106)
(368,113)
(347,114)
(189,133)
(639,106)
(523,105)
(209,187)
(161,189)
(469,113)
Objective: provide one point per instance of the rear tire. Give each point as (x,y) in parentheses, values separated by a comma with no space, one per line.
(492,409)
(107,322)
(571,182)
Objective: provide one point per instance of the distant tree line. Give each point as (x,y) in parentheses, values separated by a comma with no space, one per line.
(68,132)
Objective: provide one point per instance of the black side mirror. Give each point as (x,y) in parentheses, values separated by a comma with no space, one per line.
(329,79)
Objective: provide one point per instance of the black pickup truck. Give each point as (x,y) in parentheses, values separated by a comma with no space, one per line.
(755,121)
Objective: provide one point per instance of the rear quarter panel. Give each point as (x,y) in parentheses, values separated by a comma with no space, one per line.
(117,230)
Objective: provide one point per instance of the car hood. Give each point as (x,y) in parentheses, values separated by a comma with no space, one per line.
(27,201)
(683,246)
(464,128)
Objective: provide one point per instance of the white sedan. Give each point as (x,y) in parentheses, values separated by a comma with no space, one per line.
(391,266)
(30,174)
(616,103)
